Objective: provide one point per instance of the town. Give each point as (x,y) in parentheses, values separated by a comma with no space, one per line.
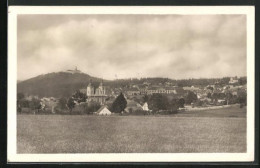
(135,98)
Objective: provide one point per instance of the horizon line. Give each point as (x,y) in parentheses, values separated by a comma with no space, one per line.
(137,77)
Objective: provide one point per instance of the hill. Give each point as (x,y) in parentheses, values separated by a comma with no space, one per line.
(59,84)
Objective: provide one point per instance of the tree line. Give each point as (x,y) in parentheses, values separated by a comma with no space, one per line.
(178,82)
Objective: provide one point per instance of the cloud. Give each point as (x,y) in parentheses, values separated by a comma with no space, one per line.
(174,46)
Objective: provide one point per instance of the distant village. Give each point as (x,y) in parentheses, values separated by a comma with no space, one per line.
(137,99)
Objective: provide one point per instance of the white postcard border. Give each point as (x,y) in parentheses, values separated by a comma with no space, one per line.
(13,11)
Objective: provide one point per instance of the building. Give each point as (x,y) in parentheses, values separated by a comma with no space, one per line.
(145,107)
(73,71)
(152,90)
(30,97)
(233,80)
(192,88)
(170,90)
(132,91)
(97,95)
(161,90)
(48,104)
(103,111)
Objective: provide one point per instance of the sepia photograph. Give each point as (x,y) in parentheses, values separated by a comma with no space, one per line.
(144,83)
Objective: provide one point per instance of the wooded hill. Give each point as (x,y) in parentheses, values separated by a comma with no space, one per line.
(60,84)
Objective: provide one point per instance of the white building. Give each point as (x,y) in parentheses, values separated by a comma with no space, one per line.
(233,80)
(103,111)
(73,71)
(145,107)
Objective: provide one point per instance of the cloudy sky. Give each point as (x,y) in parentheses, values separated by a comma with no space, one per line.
(174,46)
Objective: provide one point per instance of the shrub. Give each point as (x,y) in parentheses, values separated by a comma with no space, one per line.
(92,107)
(79,109)
(26,110)
(167,112)
(158,102)
(139,112)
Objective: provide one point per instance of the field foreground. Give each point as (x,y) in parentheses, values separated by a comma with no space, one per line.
(129,134)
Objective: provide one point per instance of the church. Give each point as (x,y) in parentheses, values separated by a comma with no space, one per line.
(95,95)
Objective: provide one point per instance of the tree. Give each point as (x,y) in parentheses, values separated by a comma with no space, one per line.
(215,96)
(209,95)
(181,102)
(191,97)
(24,103)
(62,104)
(199,103)
(35,104)
(145,98)
(20,97)
(70,104)
(79,96)
(210,88)
(229,97)
(173,106)
(242,81)
(242,99)
(119,104)
(158,102)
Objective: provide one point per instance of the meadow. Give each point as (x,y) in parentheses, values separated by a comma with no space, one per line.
(222,130)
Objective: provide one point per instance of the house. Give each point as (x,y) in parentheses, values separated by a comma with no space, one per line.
(30,97)
(103,111)
(221,102)
(162,90)
(152,90)
(157,89)
(205,99)
(233,80)
(145,107)
(170,89)
(234,93)
(168,83)
(49,103)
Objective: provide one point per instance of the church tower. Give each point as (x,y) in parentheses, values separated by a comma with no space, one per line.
(101,89)
(90,89)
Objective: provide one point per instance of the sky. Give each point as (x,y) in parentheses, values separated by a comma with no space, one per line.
(128,46)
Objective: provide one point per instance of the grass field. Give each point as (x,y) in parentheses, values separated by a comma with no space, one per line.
(220,113)
(222,131)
